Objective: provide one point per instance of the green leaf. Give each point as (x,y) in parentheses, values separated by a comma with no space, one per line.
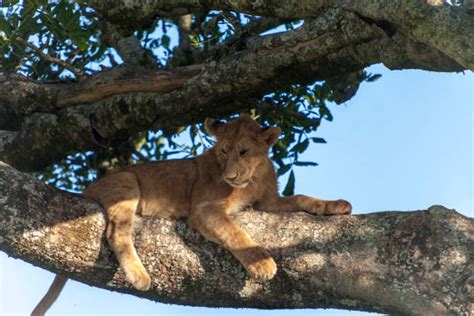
(325,113)
(305,163)
(5,25)
(7,3)
(290,185)
(80,40)
(165,41)
(300,147)
(318,140)
(139,143)
(194,40)
(375,77)
(283,169)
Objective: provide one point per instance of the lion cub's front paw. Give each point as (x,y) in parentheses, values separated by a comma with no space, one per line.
(338,207)
(138,276)
(260,264)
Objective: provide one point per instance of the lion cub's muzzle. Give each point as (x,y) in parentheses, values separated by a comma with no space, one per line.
(236,180)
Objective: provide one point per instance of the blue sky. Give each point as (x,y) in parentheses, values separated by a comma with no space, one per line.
(404,142)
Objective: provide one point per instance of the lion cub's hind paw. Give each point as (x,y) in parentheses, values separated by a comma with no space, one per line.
(138,277)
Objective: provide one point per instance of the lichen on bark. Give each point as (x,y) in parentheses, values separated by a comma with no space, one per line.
(413,263)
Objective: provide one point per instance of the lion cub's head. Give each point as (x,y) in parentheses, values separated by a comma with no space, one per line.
(242,145)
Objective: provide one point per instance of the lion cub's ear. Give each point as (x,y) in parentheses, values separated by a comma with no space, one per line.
(270,135)
(214,127)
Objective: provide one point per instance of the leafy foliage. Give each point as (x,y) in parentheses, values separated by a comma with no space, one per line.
(62,31)
(63,40)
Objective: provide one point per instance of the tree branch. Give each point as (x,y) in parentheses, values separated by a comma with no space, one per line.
(129,47)
(123,80)
(235,42)
(335,44)
(51,59)
(413,263)
(433,23)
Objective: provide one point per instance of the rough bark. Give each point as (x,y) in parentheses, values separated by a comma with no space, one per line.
(413,263)
(446,28)
(128,47)
(336,43)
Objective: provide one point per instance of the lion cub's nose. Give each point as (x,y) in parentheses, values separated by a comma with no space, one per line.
(231,176)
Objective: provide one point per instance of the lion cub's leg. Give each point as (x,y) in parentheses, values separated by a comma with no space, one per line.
(305,203)
(119,194)
(215,225)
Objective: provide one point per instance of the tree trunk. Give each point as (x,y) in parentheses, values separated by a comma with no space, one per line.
(414,263)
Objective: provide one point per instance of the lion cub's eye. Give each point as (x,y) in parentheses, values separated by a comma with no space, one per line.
(223,152)
(243,152)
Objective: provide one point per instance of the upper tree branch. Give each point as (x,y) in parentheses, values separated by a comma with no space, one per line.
(440,26)
(239,39)
(335,44)
(412,263)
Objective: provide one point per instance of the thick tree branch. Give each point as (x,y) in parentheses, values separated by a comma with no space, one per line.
(413,263)
(30,96)
(431,22)
(335,44)
(9,117)
(121,81)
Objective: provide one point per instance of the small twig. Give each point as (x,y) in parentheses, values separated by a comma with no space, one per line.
(73,54)
(198,132)
(233,22)
(46,42)
(51,59)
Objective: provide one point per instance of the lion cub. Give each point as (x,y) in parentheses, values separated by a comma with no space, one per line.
(233,174)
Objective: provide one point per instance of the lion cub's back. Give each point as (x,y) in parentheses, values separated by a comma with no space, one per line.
(161,188)
(166,187)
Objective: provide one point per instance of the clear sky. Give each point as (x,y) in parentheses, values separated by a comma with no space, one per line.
(404,142)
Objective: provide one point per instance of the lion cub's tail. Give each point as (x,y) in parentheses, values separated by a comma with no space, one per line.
(50,296)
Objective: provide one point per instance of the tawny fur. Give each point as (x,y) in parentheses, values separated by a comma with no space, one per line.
(235,173)
(50,296)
